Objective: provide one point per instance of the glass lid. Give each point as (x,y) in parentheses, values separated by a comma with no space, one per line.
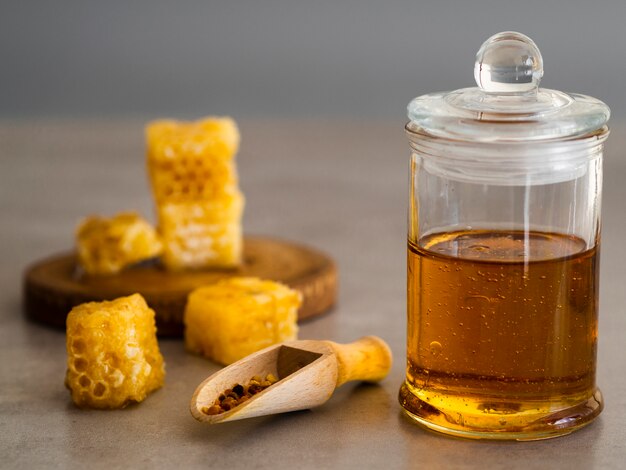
(507,105)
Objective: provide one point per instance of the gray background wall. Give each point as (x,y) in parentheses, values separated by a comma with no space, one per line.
(286,58)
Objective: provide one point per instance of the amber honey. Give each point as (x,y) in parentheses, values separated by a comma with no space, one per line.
(502,333)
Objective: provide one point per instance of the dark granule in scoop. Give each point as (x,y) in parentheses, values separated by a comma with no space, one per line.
(238,394)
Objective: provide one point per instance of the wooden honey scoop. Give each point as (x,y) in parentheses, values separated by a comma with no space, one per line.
(308,372)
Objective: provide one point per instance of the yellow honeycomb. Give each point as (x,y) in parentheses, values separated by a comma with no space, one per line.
(202,234)
(107,245)
(235,317)
(113,357)
(192,160)
(192,171)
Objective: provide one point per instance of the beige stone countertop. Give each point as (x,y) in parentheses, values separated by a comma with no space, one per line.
(338,185)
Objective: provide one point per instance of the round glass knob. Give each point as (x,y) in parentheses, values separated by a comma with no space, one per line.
(508,62)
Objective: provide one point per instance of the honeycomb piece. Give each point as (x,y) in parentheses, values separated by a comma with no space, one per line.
(195,185)
(202,234)
(235,317)
(192,161)
(113,357)
(107,245)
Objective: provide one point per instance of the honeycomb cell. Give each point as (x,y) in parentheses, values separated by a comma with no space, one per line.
(119,361)
(99,390)
(107,245)
(228,320)
(84,381)
(78,346)
(112,359)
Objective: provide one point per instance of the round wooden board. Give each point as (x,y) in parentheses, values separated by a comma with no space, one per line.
(54,285)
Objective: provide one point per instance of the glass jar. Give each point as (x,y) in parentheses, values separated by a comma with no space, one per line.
(503,247)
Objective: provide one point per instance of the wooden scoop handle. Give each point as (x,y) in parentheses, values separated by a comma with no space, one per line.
(367,359)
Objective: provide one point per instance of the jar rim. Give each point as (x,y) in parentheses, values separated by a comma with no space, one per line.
(507,163)
(415,131)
